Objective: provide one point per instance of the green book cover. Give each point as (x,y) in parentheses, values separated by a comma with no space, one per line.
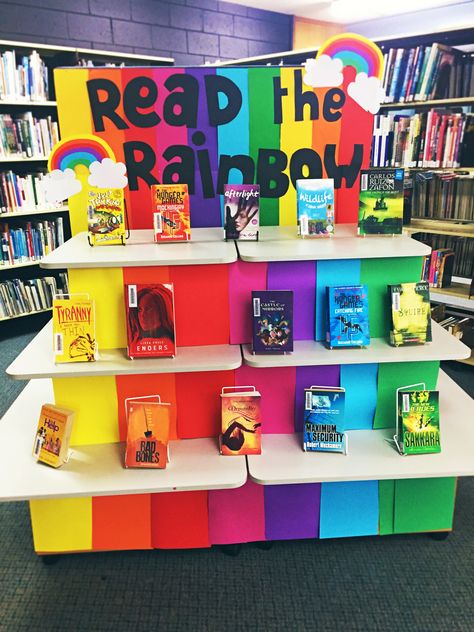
(418,422)
(381,202)
(411,314)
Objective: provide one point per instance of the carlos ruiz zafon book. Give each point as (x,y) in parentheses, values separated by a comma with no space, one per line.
(150,320)
(411,313)
(418,421)
(272,329)
(171,214)
(315,207)
(323,428)
(74,329)
(241,421)
(242,205)
(348,316)
(381,202)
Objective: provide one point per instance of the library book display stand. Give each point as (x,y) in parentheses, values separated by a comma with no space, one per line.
(202,498)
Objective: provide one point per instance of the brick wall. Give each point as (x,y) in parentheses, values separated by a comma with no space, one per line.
(191,31)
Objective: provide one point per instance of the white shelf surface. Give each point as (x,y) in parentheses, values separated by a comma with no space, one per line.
(207,246)
(14,266)
(371,456)
(35,311)
(281,243)
(308,352)
(16,158)
(41,211)
(25,102)
(98,470)
(37,361)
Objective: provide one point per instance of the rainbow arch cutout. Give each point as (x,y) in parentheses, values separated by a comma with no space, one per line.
(355,50)
(79,150)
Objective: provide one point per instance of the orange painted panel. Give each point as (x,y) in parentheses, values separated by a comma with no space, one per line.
(121,522)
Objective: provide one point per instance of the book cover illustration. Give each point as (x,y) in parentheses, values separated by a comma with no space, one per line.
(74,329)
(381,202)
(51,445)
(411,314)
(315,207)
(148,429)
(106,217)
(242,205)
(241,421)
(150,320)
(171,212)
(323,428)
(272,330)
(418,422)
(348,316)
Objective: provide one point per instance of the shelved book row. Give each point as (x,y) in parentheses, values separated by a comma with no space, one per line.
(31,241)
(463,251)
(22,193)
(427,72)
(23,77)
(426,139)
(443,195)
(438,267)
(24,296)
(27,136)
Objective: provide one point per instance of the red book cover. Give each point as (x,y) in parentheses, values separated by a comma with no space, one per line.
(150,320)
(171,216)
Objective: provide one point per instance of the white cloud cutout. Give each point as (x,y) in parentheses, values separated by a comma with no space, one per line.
(367,92)
(323,72)
(108,174)
(60,185)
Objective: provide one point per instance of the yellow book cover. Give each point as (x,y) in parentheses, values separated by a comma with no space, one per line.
(106,217)
(74,329)
(147,434)
(241,421)
(52,437)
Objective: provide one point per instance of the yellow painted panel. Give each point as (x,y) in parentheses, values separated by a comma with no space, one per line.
(61,525)
(71,90)
(105,286)
(293,136)
(94,400)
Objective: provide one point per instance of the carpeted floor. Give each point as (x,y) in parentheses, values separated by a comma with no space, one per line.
(350,585)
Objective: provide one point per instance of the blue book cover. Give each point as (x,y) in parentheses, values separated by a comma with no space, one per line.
(323,429)
(315,207)
(348,316)
(272,329)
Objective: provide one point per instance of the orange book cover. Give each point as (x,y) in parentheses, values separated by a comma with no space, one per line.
(241,421)
(147,433)
(51,444)
(171,215)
